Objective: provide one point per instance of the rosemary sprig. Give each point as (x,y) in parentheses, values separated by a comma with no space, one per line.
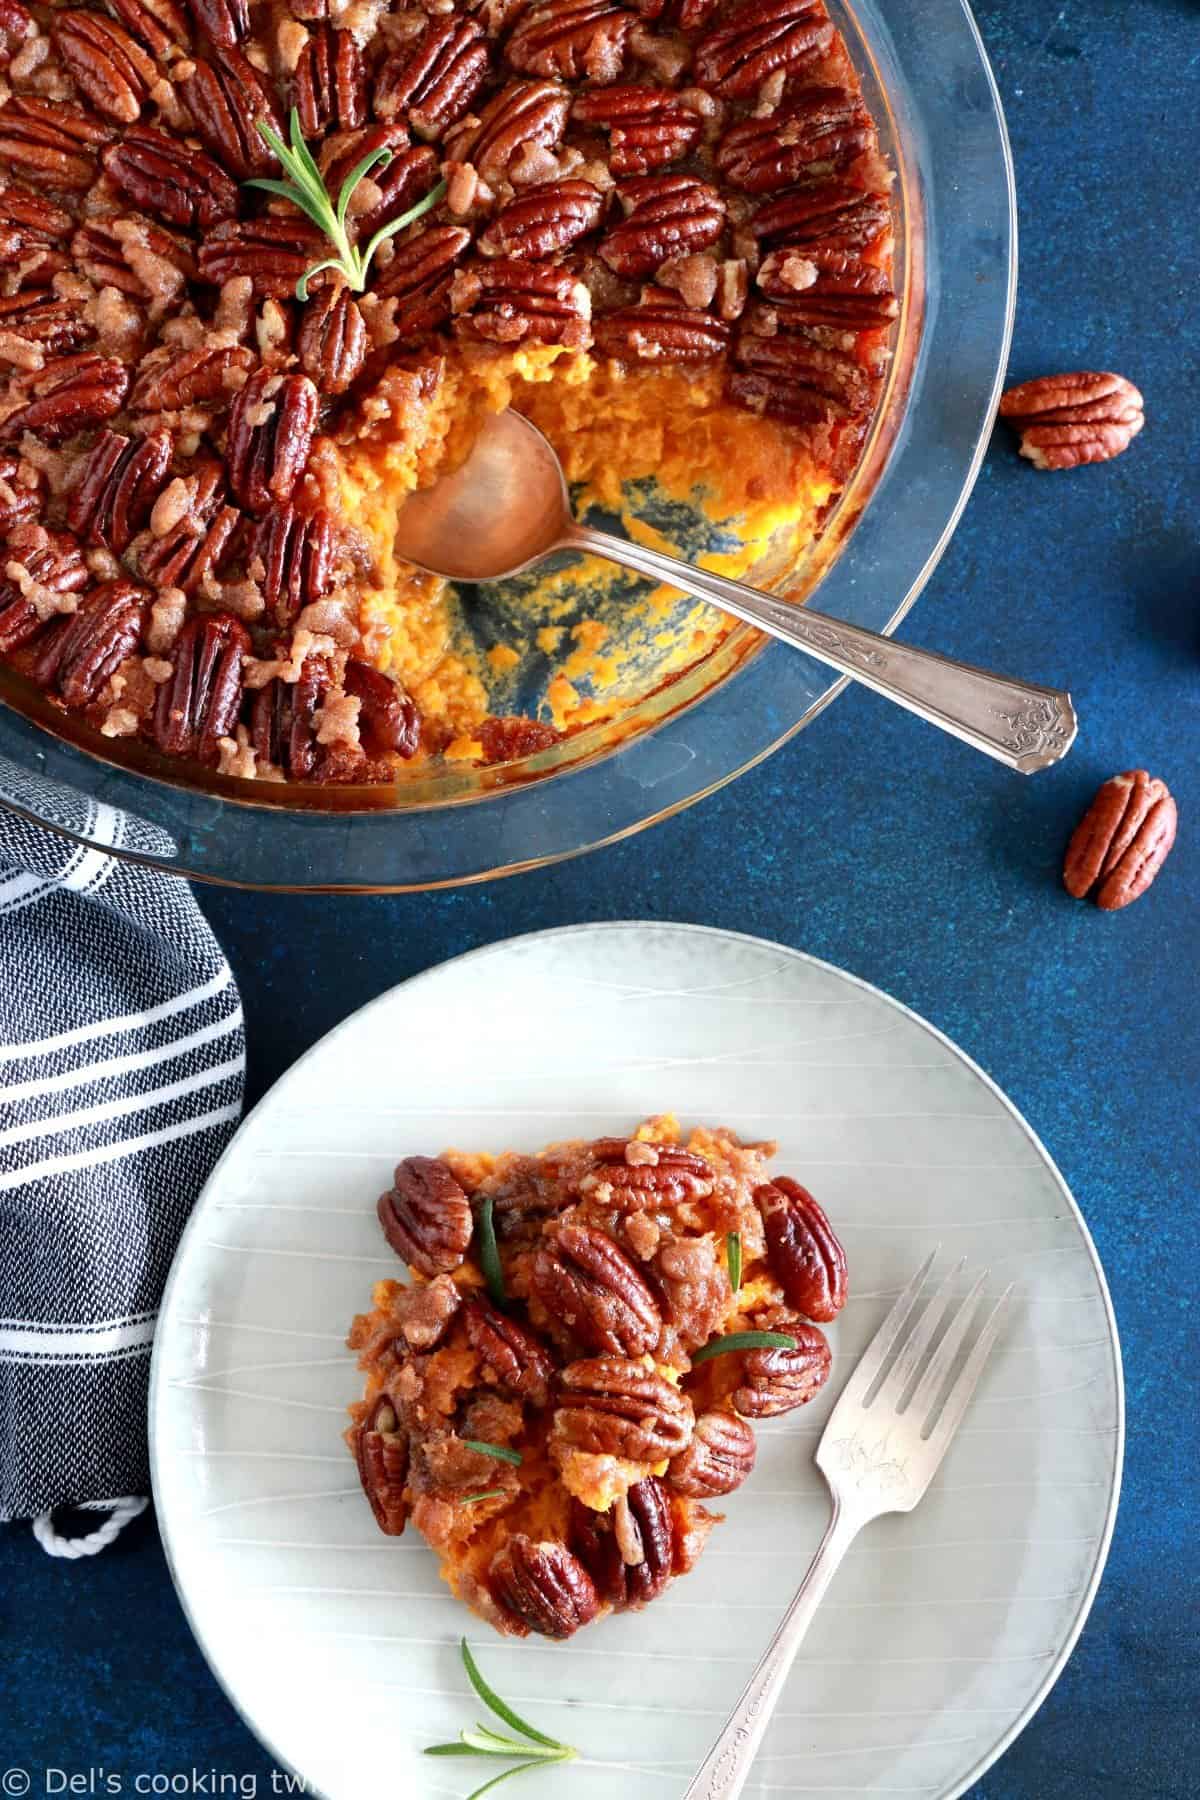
(481,1740)
(304,186)
(489,1254)
(744,1340)
(501,1452)
(487,1494)
(733,1258)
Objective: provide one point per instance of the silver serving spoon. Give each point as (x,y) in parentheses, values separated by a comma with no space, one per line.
(507,506)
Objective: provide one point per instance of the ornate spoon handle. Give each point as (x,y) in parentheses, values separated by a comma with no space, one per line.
(1020,723)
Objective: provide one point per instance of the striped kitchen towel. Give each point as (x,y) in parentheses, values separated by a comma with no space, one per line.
(121,1069)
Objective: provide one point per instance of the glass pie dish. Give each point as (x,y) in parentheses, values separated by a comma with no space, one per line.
(926,80)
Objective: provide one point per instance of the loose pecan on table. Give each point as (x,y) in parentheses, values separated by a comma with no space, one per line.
(1122,841)
(718,1459)
(511,1356)
(510,301)
(666,215)
(803,1249)
(1068,420)
(610,1405)
(179,184)
(122,479)
(113,71)
(648,127)
(433,81)
(426,1216)
(575,40)
(589,1286)
(542,1588)
(32,558)
(762,38)
(539,221)
(271,425)
(199,702)
(88,646)
(381,1452)
(67,395)
(627,1551)
(776,1381)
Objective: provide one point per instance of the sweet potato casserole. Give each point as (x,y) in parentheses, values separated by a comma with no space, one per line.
(566,1380)
(662,229)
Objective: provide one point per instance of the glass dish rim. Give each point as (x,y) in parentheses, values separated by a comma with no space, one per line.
(221,814)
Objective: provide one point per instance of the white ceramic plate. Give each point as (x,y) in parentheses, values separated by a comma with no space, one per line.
(943,1630)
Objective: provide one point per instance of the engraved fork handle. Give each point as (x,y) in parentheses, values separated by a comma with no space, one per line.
(723,1773)
(1020,723)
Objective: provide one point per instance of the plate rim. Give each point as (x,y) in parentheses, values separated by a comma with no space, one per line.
(157,1386)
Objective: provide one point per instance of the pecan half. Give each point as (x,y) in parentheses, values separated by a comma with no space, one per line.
(828,215)
(34,562)
(629,1174)
(608,1405)
(827,287)
(762,38)
(296,551)
(131,255)
(22,491)
(401,183)
(820,131)
(433,81)
(283,720)
(539,221)
(332,341)
(158,25)
(661,329)
(509,301)
(588,1284)
(210,372)
(575,40)
(692,1524)
(273,252)
(776,1381)
(647,127)
(419,277)
(37,318)
(31,231)
(194,545)
(228,101)
(122,479)
(179,185)
(226,22)
(343,152)
(50,141)
(667,215)
(523,113)
(330,82)
(679,15)
(542,1587)
(113,71)
(803,1249)
(695,1288)
(510,1355)
(1122,840)
(388,718)
(67,395)
(88,646)
(199,703)
(271,424)
(825,391)
(718,1459)
(381,1452)
(1068,420)
(628,1550)
(426,1216)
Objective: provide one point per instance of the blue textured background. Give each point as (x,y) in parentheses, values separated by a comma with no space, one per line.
(903,857)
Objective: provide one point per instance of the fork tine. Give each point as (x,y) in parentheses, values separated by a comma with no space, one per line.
(880,1346)
(942,1360)
(918,1341)
(960,1394)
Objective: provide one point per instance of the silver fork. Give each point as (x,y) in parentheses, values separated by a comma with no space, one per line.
(878,1453)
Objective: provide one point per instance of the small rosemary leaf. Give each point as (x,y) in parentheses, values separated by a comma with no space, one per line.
(381,155)
(301,153)
(495,1704)
(500,1451)
(490,1743)
(518,1770)
(488,1494)
(489,1255)
(273,141)
(733,1257)
(453,1750)
(331,262)
(744,1340)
